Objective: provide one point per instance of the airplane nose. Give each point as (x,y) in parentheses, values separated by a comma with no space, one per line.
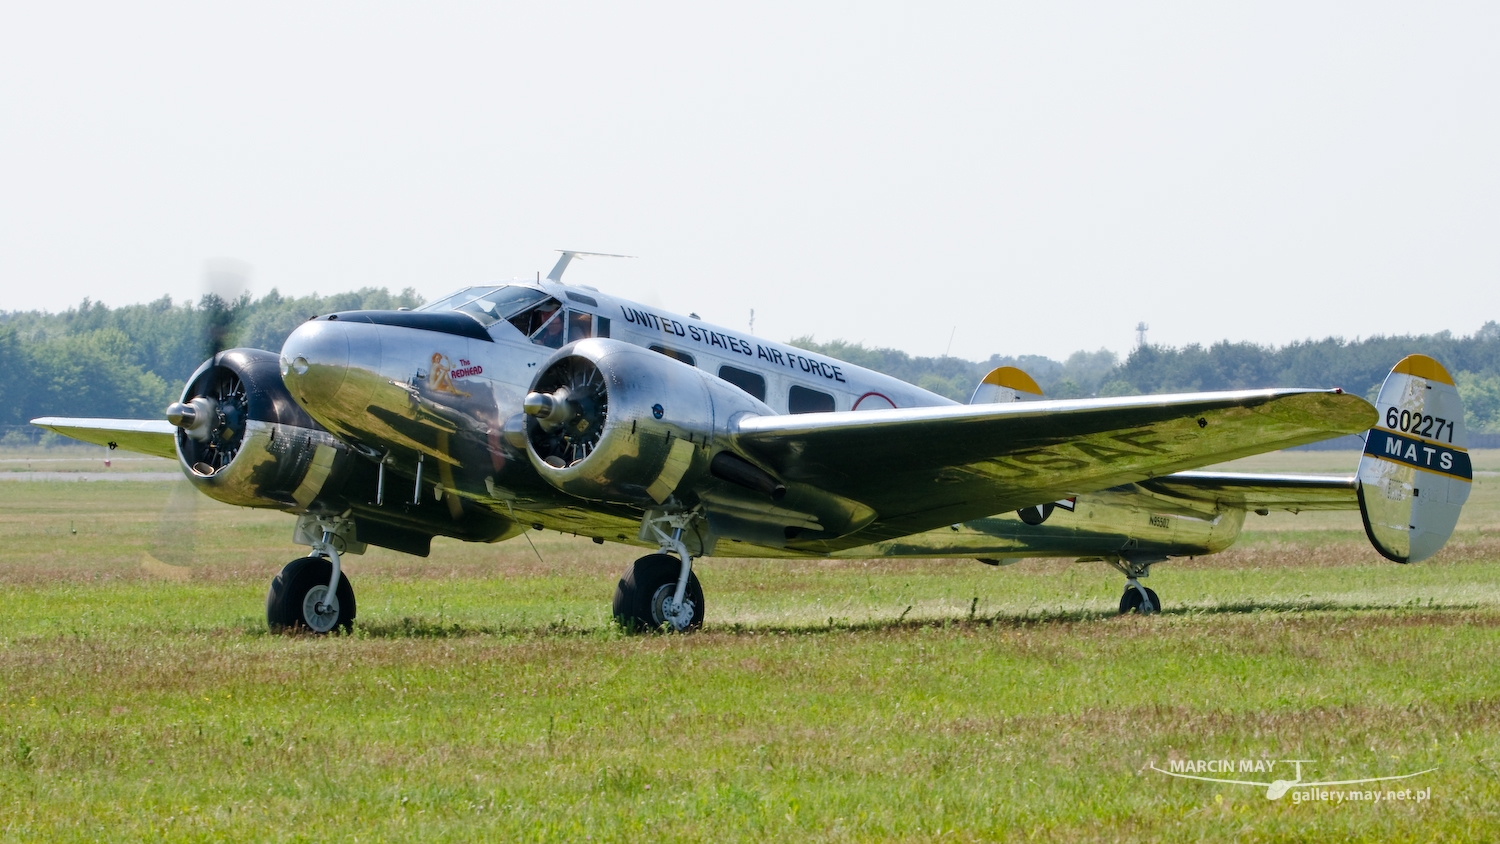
(315,362)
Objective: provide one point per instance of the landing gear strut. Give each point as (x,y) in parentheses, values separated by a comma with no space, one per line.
(1137,598)
(658,591)
(311,594)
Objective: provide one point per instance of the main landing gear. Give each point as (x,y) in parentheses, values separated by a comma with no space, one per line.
(658,591)
(1137,598)
(311,594)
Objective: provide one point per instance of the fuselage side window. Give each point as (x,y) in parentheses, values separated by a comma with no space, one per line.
(675,355)
(604,326)
(580,325)
(751,382)
(804,400)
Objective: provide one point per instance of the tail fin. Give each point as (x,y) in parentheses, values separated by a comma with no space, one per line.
(1414,475)
(1006,384)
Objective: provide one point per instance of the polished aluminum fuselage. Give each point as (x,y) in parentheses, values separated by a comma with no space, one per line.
(435,405)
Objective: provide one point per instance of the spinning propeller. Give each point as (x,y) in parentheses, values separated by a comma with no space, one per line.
(210,419)
(212,423)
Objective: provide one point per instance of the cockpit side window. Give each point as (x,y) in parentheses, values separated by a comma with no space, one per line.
(502,304)
(551,332)
(542,322)
(452,303)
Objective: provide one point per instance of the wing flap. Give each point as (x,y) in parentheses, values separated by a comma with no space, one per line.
(143,436)
(921,468)
(1250,491)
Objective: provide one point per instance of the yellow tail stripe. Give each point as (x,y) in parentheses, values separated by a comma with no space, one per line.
(1422,366)
(1014,379)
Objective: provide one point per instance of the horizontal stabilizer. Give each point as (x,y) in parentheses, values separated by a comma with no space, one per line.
(1414,475)
(1255,491)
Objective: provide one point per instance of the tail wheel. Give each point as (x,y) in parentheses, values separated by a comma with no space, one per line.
(299,601)
(1131,601)
(648,584)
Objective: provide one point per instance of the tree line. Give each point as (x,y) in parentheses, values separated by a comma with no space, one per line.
(1359,366)
(131,361)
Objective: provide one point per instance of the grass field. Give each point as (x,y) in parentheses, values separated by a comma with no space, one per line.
(484,694)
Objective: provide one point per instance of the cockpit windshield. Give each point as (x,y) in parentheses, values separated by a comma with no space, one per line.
(489,305)
(535,314)
(451,303)
(501,304)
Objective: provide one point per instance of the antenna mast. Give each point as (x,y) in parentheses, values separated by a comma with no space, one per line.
(1140,333)
(567,258)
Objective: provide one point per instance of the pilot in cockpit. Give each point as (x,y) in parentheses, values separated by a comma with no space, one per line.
(551,334)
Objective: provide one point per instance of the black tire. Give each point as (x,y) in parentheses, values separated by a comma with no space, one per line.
(638,597)
(286,603)
(1131,601)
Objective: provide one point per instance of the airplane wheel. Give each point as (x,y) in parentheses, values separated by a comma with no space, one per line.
(292,603)
(647,585)
(1131,601)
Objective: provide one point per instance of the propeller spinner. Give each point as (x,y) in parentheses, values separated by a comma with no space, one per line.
(571,415)
(211,425)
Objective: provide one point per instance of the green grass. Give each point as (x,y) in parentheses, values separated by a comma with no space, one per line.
(484,694)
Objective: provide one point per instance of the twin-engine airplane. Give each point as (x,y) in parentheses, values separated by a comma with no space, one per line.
(553,406)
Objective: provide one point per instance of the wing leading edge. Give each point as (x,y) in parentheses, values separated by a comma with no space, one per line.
(144,436)
(922,468)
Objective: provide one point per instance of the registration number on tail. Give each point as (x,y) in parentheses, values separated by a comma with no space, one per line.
(1420,424)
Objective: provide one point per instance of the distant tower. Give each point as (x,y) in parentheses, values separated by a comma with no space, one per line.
(1140,333)
(752,320)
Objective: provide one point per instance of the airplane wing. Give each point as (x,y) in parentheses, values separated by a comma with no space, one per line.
(1293,493)
(145,436)
(922,468)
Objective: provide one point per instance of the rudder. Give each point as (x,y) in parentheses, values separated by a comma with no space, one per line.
(1415,474)
(1006,384)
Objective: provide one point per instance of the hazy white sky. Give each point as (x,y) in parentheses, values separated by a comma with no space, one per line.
(1029,178)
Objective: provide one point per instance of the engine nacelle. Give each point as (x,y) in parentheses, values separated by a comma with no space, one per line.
(609,421)
(242,440)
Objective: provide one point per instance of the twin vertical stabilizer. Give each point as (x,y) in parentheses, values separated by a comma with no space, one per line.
(1415,474)
(1006,384)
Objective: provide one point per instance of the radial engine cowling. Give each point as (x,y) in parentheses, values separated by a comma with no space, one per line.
(241,439)
(609,421)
